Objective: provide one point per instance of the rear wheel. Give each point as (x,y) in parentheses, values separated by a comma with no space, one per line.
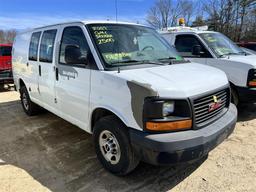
(113,147)
(29,107)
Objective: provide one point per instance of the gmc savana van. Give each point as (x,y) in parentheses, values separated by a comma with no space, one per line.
(216,50)
(117,82)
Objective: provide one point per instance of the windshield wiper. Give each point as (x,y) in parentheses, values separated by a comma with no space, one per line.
(243,52)
(226,54)
(127,61)
(141,62)
(167,58)
(153,62)
(171,59)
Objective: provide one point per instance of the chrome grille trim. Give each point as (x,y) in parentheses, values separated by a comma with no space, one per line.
(201,105)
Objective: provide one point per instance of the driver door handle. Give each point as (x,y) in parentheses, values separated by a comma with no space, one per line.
(39,69)
(57,73)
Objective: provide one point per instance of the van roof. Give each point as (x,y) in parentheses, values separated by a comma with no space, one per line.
(181,29)
(85,22)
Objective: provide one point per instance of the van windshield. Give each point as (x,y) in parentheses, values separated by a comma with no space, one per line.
(221,44)
(122,45)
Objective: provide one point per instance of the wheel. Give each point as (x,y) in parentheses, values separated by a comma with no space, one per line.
(28,106)
(113,147)
(234,97)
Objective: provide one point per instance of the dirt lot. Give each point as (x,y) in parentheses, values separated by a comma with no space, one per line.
(46,153)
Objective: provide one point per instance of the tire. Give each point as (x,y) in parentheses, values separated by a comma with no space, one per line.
(234,97)
(123,159)
(28,106)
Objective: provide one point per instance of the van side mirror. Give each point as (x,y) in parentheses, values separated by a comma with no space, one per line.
(73,55)
(197,50)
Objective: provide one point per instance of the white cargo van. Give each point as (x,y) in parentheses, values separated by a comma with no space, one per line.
(217,50)
(116,81)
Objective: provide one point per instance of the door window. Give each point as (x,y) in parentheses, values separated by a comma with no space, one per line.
(47,46)
(73,37)
(33,47)
(185,43)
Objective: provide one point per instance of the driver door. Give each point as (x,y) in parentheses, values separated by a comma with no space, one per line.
(185,44)
(73,77)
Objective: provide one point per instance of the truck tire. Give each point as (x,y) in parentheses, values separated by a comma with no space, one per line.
(28,106)
(113,147)
(234,97)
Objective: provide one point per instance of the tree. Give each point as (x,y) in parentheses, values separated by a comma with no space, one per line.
(165,13)
(245,6)
(159,15)
(2,36)
(231,17)
(187,10)
(10,35)
(7,36)
(199,21)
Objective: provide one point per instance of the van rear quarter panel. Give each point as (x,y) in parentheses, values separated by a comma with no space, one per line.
(20,58)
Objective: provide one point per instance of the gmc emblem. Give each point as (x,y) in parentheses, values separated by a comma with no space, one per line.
(215,105)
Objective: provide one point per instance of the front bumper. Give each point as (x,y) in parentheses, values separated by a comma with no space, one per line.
(246,94)
(183,146)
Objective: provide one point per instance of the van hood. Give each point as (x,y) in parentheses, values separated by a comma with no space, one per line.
(177,81)
(248,59)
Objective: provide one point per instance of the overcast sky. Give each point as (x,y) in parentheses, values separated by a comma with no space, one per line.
(23,14)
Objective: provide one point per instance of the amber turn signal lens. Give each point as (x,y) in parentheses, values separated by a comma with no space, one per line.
(252,83)
(169,126)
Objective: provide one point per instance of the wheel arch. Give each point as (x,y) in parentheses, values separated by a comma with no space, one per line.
(21,83)
(235,97)
(100,112)
(233,86)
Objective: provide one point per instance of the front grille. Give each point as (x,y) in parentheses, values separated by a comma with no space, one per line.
(202,105)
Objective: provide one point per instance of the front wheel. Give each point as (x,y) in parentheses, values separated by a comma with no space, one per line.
(113,147)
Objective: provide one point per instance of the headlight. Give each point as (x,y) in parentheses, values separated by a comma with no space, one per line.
(167,114)
(251,80)
(168,108)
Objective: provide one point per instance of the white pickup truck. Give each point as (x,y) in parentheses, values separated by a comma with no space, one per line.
(117,82)
(217,50)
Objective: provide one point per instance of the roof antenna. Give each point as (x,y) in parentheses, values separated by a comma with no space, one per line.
(116,9)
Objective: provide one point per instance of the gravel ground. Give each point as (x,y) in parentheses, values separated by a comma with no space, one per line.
(46,153)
